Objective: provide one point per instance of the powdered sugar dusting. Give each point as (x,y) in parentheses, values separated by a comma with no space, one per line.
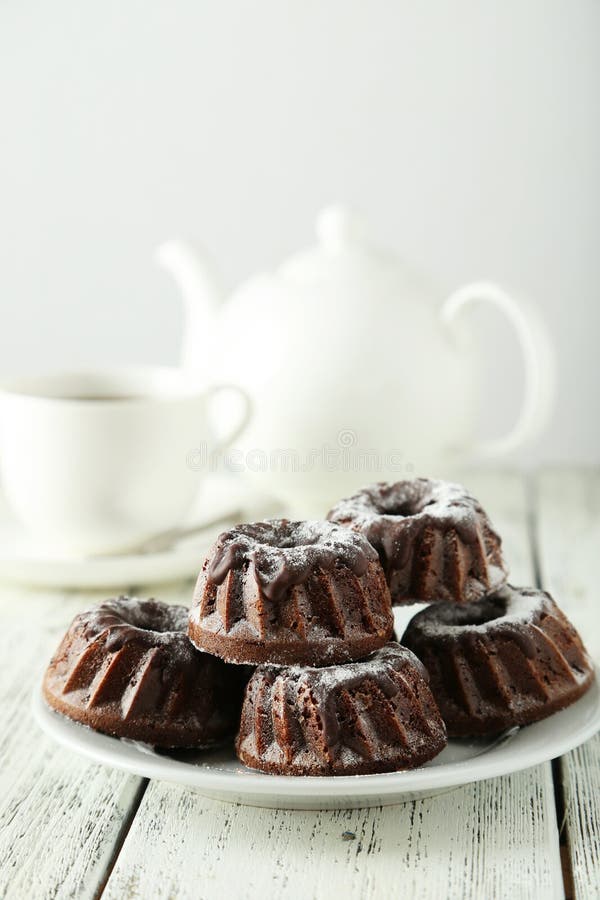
(508,606)
(147,621)
(335,676)
(410,499)
(285,553)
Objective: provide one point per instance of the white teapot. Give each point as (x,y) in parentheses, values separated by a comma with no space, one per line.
(356,370)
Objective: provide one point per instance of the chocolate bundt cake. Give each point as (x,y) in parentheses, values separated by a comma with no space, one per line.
(377,715)
(434,540)
(308,593)
(127,668)
(509,659)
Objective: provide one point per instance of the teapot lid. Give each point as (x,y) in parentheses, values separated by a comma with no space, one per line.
(343,249)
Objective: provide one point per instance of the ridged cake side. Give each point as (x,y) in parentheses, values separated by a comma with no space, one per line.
(377,715)
(434,540)
(127,668)
(509,659)
(298,603)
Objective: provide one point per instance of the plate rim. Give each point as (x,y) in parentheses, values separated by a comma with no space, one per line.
(499,760)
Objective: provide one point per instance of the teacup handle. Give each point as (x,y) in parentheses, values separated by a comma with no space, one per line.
(226,440)
(538,356)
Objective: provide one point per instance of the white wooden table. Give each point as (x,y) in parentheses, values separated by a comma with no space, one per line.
(71,829)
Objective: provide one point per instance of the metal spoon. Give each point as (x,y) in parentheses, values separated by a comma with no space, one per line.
(166,540)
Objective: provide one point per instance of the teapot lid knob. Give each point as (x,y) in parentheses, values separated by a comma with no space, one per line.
(338,226)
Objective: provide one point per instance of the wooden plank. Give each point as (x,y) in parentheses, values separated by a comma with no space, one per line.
(60,817)
(496,839)
(477,842)
(569,547)
(568,528)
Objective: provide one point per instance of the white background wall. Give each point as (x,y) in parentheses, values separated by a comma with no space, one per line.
(468,131)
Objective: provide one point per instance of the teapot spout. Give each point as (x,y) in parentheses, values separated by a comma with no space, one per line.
(201,293)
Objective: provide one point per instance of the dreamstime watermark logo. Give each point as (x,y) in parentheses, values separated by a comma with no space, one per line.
(345,455)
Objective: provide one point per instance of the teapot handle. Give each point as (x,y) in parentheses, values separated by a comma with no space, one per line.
(538,357)
(225,440)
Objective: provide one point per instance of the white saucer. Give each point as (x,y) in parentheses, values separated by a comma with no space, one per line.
(25,562)
(218,774)
(24,565)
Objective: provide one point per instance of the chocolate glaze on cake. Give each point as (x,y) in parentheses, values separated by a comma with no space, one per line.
(291,592)
(509,659)
(434,540)
(127,668)
(377,715)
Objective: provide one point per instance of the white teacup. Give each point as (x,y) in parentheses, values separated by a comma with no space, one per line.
(97,462)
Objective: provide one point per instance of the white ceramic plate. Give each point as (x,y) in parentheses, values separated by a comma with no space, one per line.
(218,774)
